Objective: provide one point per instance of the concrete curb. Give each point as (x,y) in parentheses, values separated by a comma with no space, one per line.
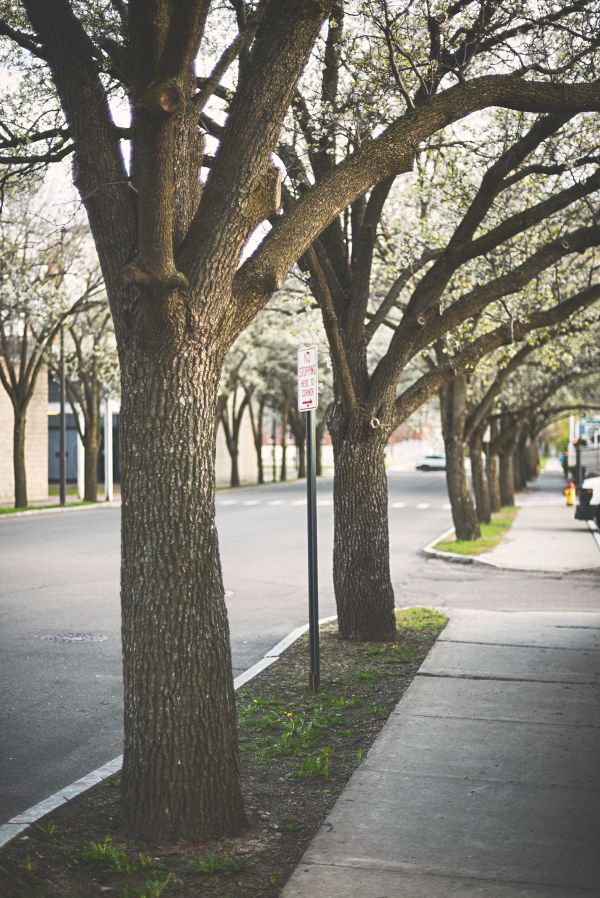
(61,510)
(21,822)
(595,532)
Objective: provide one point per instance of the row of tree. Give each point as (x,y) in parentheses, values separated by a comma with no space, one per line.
(418,277)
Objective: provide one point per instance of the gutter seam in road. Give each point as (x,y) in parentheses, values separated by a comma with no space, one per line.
(16,825)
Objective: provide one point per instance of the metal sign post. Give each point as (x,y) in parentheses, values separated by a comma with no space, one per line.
(62,445)
(307,402)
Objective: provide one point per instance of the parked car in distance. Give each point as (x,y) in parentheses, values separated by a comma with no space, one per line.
(588,508)
(432,463)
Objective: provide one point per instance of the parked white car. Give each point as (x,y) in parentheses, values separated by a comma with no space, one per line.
(432,463)
(588,508)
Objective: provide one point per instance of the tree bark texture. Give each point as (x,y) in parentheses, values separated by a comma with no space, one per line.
(454,411)
(480,481)
(284,429)
(19,468)
(91,445)
(493,474)
(361,568)
(90,464)
(180,774)
(301,446)
(507,478)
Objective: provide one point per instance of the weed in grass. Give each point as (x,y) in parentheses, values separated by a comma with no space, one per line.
(154,888)
(148,863)
(263,886)
(212,863)
(44,831)
(367,676)
(289,827)
(317,764)
(359,755)
(28,865)
(343,701)
(107,856)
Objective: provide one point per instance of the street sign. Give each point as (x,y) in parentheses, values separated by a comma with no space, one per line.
(308,385)
(308,397)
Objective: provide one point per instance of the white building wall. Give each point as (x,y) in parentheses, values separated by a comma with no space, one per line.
(36,444)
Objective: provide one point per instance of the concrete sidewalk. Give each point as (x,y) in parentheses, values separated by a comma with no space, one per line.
(485,780)
(545,535)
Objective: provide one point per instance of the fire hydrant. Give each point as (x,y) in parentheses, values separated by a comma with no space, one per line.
(569,493)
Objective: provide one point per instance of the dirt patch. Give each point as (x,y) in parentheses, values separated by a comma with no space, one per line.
(298,751)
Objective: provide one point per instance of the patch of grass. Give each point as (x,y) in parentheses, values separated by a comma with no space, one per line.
(317,764)
(8,510)
(367,676)
(417,620)
(106,856)
(54,490)
(154,888)
(45,830)
(212,863)
(491,535)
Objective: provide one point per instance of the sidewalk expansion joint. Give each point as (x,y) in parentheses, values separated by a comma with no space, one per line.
(521,645)
(456,676)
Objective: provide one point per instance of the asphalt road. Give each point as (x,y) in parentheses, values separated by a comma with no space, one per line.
(60,661)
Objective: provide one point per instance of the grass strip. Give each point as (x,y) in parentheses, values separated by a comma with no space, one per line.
(9,510)
(297,752)
(491,535)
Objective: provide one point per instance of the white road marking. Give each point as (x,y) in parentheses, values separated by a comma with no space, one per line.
(228,502)
(251,502)
(299,502)
(447,506)
(275,502)
(398,504)
(423,505)
(324,502)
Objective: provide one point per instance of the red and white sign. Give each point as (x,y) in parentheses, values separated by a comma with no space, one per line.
(308,386)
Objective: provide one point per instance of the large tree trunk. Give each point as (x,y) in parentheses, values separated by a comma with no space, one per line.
(454,410)
(464,515)
(90,466)
(480,481)
(234,452)
(520,462)
(493,473)
(301,446)
(180,773)
(19,468)
(493,469)
(507,478)
(284,428)
(361,565)
(320,431)
(258,441)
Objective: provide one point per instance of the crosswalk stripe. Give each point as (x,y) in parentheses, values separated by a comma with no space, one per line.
(275,502)
(398,504)
(423,505)
(252,502)
(228,502)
